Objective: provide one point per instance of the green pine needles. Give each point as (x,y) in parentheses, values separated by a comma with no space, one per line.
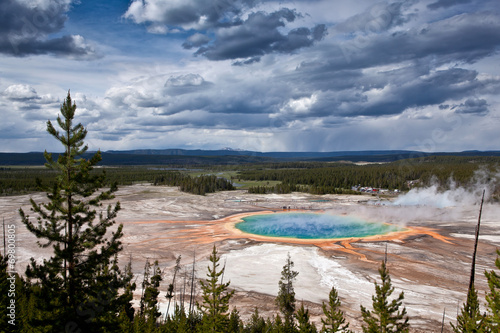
(215,306)
(470,319)
(78,286)
(493,297)
(286,294)
(386,316)
(334,320)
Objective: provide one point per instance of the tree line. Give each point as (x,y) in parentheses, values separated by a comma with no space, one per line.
(339,178)
(197,185)
(285,188)
(22,180)
(312,177)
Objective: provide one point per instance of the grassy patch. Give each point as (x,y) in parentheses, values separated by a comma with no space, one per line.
(245,184)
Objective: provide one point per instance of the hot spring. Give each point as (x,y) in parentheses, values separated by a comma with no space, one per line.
(312,226)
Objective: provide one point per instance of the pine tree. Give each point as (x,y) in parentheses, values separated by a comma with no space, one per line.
(25,307)
(140,325)
(386,316)
(235,324)
(150,292)
(216,298)
(334,321)
(71,291)
(470,319)
(178,322)
(278,326)
(128,293)
(493,297)
(286,294)
(125,325)
(256,324)
(303,320)
(171,286)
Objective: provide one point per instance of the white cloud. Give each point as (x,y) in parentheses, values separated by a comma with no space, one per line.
(185,80)
(159,29)
(20,92)
(300,106)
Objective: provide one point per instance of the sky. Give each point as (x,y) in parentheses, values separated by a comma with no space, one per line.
(301,75)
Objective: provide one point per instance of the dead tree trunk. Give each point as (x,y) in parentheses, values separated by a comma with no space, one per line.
(171,287)
(191,298)
(473,266)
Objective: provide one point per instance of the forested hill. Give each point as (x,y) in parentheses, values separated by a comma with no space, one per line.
(361,155)
(235,157)
(118,159)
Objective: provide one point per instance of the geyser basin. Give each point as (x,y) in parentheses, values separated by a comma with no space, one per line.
(312,226)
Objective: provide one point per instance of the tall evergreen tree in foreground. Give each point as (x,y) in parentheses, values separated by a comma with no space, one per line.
(386,316)
(78,287)
(215,306)
(286,294)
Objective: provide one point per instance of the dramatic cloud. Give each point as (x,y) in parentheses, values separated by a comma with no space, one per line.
(252,74)
(187,14)
(223,32)
(463,38)
(259,35)
(25,27)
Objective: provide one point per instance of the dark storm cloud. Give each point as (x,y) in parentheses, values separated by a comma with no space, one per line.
(214,13)
(351,82)
(432,89)
(462,38)
(66,46)
(446,3)
(18,17)
(259,34)
(472,105)
(352,93)
(204,119)
(222,29)
(24,30)
(196,40)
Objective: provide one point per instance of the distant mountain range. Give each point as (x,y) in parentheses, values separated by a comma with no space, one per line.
(234,156)
(238,152)
(294,155)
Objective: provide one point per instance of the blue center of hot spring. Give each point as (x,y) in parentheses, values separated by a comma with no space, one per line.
(312,226)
